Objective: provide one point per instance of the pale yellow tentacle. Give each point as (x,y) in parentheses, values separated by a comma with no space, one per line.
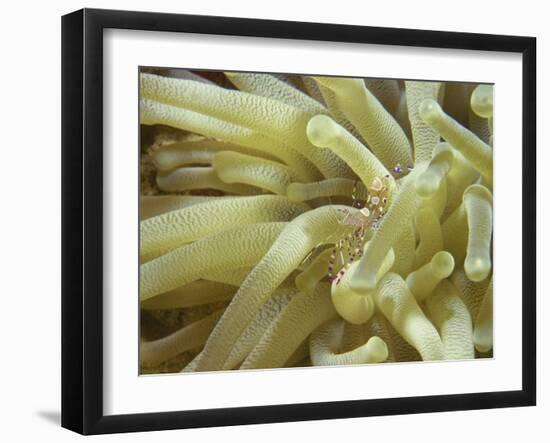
(424,280)
(375,124)
(324,132)
(233,167)
(270,86)
(300,236)
(325,342)
(203,177)
(404,249)
(153,112)
(481,100)
(170,230)
(424,137)
(483,326)
(431,237)
(478,202)
(270,117)
(174,155)
(153,205)
(356,306)
(472,293)
(257,327)
(303,314)
(399,306)
(450,315)
(478,153)
(398,217)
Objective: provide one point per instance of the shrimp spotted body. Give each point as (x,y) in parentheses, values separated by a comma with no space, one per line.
(368,215)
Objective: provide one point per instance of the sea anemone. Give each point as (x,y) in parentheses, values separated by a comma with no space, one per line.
(294,220)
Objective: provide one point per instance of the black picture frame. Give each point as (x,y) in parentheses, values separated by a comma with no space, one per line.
(82,220)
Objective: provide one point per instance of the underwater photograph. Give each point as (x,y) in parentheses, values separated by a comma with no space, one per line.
(301,220)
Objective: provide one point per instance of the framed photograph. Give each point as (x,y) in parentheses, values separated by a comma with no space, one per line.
(270,221)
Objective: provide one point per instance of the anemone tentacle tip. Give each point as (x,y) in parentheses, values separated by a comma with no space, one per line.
(443,264)
(378,348)
(477,268)
(482,101)
(429,109)
(322,131)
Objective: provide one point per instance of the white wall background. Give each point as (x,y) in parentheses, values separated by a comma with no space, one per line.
(30,220)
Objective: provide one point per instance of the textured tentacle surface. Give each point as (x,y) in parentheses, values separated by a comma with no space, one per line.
(356,306)
(375,124)
(424,137)
(233,167)
(227,276)
(424,280)
(153,112)
(324,132)
(151,206)
(257,327)
(325,342)
(453,321)
(483,326)
(472,293)
(482,127)
(175,155)
(402,350)
(399,306)
(187,179)
(329,97)
(234,248)
(431,237)
(249,110)
(270,86)
(297,239)
(167,231)
(264,115)
(393,224)
(478,153)
(387,92)
(303,314)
